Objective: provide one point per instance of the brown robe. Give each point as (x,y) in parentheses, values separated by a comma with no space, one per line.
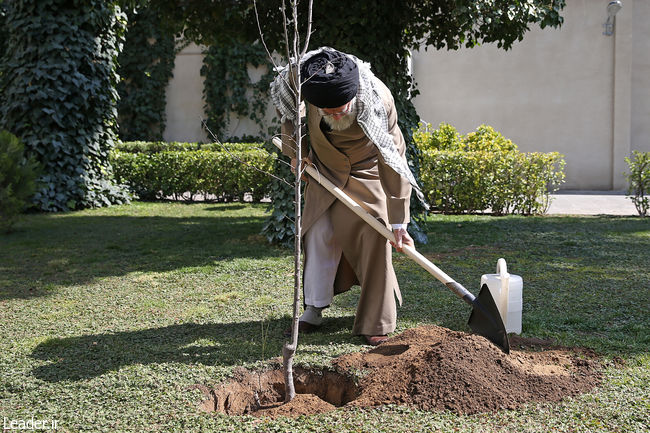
(353,163)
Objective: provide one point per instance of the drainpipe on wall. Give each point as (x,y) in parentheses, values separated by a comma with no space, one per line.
(622,109)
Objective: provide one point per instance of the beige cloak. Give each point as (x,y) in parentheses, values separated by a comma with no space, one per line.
(353,163)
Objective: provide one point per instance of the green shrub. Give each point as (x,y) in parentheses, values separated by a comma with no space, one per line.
(486,139)
(450,180)
(183,174)
(3,30)
(446,137)
(495,176)
(523,182)
(639,181)
(279,227)
(17,179)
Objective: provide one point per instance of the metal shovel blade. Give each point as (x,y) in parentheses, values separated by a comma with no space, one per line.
(485,319)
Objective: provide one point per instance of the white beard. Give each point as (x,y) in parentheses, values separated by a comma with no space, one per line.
(343,123)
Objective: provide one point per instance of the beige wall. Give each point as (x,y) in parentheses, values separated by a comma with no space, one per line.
(571,90)
(641,77)
(184,106)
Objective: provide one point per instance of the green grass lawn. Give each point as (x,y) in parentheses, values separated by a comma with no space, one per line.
(108,316)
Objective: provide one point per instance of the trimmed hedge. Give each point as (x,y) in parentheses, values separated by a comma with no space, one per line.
(161,146)
(184,174)
(495,176)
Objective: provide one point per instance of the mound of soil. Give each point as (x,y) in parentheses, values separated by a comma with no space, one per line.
(434,368)
(429,367)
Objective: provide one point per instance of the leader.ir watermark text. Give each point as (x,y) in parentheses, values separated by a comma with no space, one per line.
(28,424)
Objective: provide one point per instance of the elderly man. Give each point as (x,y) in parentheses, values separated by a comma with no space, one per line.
(354,142)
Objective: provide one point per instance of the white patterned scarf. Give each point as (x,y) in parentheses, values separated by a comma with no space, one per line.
(371,114)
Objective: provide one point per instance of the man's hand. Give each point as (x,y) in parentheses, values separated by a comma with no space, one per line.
(402,238)
(305,161)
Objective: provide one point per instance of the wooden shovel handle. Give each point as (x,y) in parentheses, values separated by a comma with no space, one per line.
(385,232)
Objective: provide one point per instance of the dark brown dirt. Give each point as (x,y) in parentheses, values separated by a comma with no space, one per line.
(262,393)
(430,368)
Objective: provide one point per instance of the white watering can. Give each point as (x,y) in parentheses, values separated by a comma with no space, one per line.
(506,289)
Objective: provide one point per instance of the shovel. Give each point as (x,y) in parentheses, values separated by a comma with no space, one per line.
(484,320)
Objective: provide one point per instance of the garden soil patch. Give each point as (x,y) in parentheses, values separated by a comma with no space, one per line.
(428,367)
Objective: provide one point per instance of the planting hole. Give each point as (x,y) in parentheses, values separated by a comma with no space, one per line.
(262,393)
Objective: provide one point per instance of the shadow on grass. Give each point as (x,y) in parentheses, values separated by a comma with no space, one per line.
(586,279)
(52,250)
(72,250)
(226,207)
(87,356)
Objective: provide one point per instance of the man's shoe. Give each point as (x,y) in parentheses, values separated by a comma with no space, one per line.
(376,340)
(303,328)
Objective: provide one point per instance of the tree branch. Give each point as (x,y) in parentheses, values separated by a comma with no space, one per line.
(216,140)
(259,28)
(308,35)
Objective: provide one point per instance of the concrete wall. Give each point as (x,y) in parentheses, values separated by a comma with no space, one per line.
(184,107)
(571,90)
(641,77)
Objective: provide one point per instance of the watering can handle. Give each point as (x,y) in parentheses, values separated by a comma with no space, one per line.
(502,270)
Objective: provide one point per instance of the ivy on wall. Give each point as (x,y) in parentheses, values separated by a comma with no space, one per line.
(57,80)
(145,67)
(228,87)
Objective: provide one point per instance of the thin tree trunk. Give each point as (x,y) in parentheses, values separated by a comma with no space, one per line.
(289,349)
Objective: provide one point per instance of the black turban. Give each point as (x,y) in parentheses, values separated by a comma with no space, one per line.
(330,79)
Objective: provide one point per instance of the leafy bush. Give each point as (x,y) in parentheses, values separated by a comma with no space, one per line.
(279,227)
(523,182)
(17,179)
(57,80)
(484,170)
(446,137)
(486,139)
(639,181)
(3,30)
(450,180)
(183,174)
